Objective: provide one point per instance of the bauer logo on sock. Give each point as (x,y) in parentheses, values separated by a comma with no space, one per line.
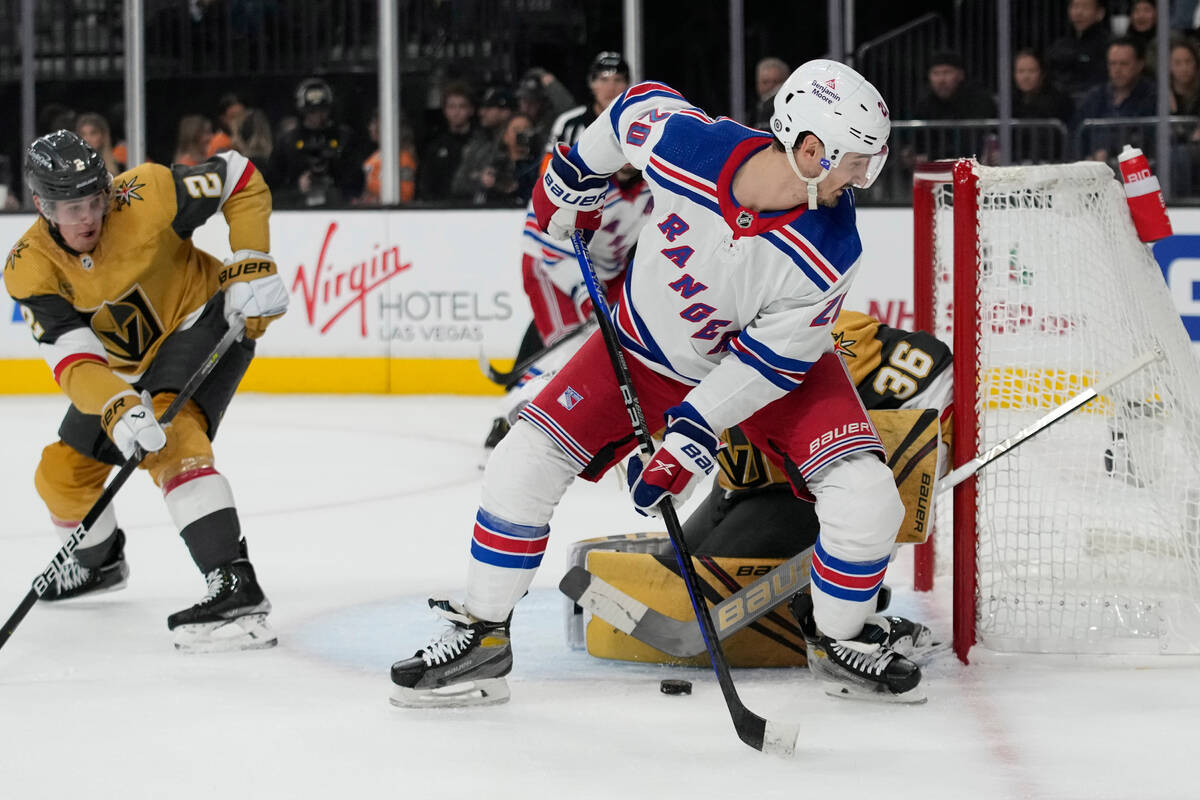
(569,399)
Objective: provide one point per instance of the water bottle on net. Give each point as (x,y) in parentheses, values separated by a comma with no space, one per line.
(1146,203)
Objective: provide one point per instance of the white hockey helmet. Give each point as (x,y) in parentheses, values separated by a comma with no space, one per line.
(841,108)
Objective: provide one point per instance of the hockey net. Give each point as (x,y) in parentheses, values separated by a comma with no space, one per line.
(1086,539)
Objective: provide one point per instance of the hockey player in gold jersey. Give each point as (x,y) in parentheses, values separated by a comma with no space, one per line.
(123,307)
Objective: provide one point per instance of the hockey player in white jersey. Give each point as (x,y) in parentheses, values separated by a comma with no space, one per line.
(725,318)
(554,285)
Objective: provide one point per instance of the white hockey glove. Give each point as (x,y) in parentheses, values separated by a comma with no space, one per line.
(688,452)
(567,198)
(254,290)
(583,302)
(129,421)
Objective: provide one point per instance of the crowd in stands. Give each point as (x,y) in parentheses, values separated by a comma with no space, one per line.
(1102,68)
(487,149)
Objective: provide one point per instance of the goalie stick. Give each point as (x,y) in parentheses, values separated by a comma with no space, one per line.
(761,734)
(510,378)
(42,582)
(682,639)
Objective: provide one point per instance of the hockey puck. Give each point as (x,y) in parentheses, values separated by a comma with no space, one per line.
(671,686)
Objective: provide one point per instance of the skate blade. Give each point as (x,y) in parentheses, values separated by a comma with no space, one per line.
(249,632)
(848,691)
(489,692)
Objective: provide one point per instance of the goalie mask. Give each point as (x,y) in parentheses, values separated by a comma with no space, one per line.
(67,176)
(842,109)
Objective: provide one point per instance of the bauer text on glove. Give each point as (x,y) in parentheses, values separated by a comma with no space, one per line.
(688,452)
(568,197)
(129,421)
(254,290)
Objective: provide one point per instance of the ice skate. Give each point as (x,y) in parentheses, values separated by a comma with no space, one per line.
(72,579)
(870,666)
(463,666)
(232,616)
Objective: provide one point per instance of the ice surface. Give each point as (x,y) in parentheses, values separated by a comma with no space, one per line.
(356,508)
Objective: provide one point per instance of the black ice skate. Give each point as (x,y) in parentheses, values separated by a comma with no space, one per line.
(464,666)
(869,666)
(232,616)
(72,579)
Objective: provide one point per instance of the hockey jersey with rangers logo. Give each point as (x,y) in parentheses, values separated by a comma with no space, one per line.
(624,214)
(145,279)
(738,303)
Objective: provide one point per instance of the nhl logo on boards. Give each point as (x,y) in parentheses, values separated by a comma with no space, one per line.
(569,398)
(745,219)
(86,261)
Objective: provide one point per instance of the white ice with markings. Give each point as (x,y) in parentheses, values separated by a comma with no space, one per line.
(356,509)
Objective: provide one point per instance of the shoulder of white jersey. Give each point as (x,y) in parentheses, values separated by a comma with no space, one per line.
(824,244)
(688,158)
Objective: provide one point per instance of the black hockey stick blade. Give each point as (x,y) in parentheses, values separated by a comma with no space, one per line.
(42,582)
(509,379)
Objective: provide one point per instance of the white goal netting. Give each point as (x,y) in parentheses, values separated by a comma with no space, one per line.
(1088,535)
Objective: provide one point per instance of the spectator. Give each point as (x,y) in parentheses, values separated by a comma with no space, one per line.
(441,156)
(1077,60)
(1185,77)
(950,96)
(191,145)
(485,173)
(769,75)
(93,129)
(542,98)
(1034,98)
(373,166)
(116,124)
(313,165)
(53,117)
(1128,93)
(608,76)
(1143,29)
(229,113)
(524,155)
(252,138)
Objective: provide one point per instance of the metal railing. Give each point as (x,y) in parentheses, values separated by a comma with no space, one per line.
(892,61)
(83,39)
(916,141)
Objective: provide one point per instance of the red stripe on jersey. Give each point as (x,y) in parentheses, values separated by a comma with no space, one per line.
(185,477)
(247,173)
(671,172)
(647,87)
(810,255)
(61,366)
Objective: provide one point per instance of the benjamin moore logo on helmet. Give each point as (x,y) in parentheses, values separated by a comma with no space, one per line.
(825,91)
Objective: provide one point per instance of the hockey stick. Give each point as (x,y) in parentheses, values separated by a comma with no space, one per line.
(42,582)
(510,378)
(1078,401)
(759,733)
(682,639)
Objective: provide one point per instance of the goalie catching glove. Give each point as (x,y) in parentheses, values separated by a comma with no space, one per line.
(129,421)
(254,290)
(688,452)
(568,198)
